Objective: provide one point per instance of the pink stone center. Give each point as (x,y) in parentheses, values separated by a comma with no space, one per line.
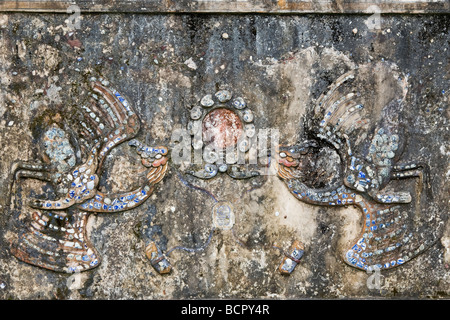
(222,128)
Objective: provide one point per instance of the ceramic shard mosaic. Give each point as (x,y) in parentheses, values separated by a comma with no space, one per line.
(180,156)
(54,236)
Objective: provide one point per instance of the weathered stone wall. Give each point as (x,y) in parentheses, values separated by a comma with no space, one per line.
(164,64)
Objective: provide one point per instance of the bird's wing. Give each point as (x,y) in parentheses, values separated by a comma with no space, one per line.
(360,115)
(391,236)
(339,113)
(357,104)
(107,121)
(56,241)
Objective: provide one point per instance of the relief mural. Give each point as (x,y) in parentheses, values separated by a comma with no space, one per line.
(173,156)
(365,134)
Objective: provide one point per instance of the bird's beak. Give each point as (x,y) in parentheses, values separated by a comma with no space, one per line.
(288,162)
(286,159)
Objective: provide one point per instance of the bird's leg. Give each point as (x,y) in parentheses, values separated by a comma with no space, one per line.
(404,171)
(44,176)
(32,170)
(411,170)
(33,166)
(391,197)
(22,169)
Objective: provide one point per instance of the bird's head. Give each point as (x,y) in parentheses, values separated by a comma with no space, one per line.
(151,157)
(290,158)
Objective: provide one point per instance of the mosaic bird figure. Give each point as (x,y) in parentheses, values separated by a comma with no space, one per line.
(353,142)
(53,235)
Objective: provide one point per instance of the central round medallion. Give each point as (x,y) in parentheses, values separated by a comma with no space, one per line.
(222,128)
